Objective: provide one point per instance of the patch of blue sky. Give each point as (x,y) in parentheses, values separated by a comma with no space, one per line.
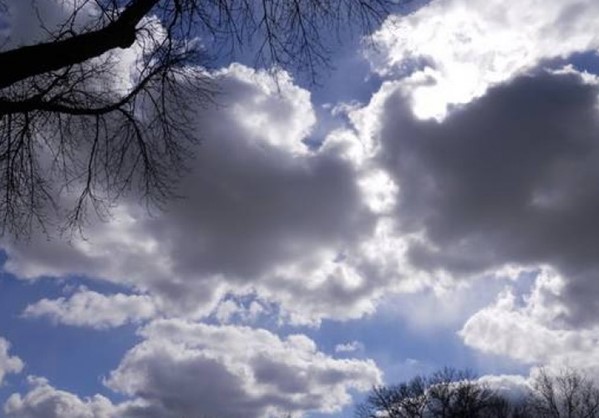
(71,358)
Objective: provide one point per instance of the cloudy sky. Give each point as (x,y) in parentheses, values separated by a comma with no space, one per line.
(432,201)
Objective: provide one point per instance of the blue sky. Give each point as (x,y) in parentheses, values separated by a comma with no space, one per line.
(431,202)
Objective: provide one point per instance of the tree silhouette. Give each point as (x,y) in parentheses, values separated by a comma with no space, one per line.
(447,393)
(567,394)
(73,128)
(451,393)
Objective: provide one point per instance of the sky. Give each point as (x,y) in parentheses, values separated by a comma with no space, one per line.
(431,201)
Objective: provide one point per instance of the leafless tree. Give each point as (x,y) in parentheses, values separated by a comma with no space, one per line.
(567,394)
(72,125)
(455,393)
(451,393)
(406,400)
(448,393)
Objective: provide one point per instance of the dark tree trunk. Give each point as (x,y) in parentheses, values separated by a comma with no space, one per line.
(24,62)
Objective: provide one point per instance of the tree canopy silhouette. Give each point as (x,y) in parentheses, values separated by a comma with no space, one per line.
(450,393)
(447,393)
(74,129)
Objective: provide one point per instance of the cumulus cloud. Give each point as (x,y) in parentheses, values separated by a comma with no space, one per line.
(45,401)
(190,369)
(8,363)
(502,181)
(263,213)
(92,309)
(316,230)
(530,328)
(392,203)
(455,49)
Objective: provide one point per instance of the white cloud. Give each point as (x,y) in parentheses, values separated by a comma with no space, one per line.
(229,310)
(514,387)
(191,369)
(87,308)
(454,50)
(531,329)
(349,347)
(8,363)
(44,401)
(263,214)
(187,369)
(496,189)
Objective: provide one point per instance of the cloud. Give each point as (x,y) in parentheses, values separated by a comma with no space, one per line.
(531,329)
(28,23)
(44,401)
(513,387)
(454,50)
(445,304)
(230,310)
(392,203)
(262,213)
(8,363)
(315,230)
(87,308)
(501,181)
(349,347)
(188,369)
(397,204)
(191,369)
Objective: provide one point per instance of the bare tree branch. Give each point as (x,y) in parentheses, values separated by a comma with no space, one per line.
(73,129)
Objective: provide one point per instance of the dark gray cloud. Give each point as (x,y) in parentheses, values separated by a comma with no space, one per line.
(250,205)
(260,210)
(512,177)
